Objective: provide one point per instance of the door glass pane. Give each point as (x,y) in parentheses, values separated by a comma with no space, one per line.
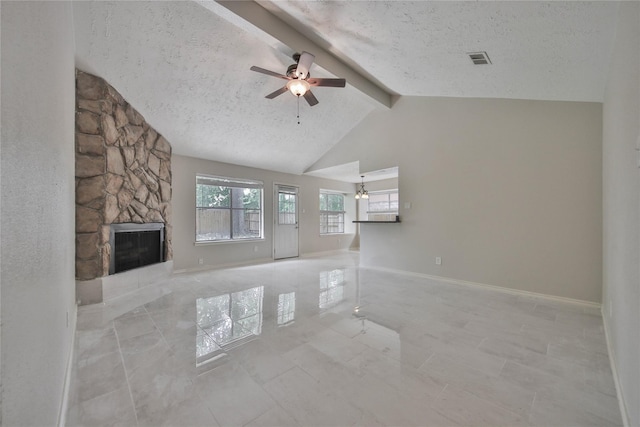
(286,208)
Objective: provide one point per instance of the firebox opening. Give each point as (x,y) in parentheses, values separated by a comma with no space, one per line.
(135,245)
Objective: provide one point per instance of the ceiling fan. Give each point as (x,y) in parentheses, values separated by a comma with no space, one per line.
(300,81)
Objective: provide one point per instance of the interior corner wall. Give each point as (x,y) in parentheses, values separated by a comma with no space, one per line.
(186,253)
(37,209)
(621,207)
(507,192)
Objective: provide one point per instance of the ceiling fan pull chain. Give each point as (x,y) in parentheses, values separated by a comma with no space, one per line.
(298,108)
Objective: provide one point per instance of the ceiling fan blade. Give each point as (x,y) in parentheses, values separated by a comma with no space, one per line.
(269,73)
(311,99)
(277,92)
(304,63)
(327,82)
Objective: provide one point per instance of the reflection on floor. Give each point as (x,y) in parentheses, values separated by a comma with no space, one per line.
(320,341)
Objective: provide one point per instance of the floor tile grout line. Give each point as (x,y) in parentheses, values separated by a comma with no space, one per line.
(426,361)
(441,391)
(126,376)
(480,343)
(277,402)
(197,392)
(155,325)
(498,402)
(533,402)
(502,368)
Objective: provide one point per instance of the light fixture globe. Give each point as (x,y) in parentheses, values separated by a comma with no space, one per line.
(362,193)
(298,87)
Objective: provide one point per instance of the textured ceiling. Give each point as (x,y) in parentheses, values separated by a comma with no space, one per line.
(539,50)
(185,65)
(186,70)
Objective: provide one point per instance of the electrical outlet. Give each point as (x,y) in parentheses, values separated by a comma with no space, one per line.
(255,249)
(438,260)
(200,261)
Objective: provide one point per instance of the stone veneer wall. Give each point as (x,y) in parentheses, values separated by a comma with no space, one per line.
(123,173)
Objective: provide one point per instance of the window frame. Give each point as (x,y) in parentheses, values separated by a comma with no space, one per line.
(228,182)
(327,213)
(389,212)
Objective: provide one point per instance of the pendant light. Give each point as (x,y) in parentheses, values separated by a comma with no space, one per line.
(362,193)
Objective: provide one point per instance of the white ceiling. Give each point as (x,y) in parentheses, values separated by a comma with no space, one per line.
(185,65)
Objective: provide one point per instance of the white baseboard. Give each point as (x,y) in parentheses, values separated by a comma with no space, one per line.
(64,405)
(616,379)
(258,261)
(219,266)
(324,253)
(486,286)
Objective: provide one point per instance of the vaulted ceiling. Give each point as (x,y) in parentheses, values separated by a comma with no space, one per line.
(185,64)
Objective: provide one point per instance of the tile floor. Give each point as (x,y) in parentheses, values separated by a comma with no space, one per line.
(322,342)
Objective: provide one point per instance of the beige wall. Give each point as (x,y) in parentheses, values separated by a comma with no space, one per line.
(37,214)
(187,254)
(507,192)
(621,192)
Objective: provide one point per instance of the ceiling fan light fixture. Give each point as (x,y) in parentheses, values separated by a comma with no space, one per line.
(299,82)
(298,87)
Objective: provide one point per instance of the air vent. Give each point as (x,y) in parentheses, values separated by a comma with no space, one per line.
(479,58)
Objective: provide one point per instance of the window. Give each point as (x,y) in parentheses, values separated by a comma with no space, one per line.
(228,209)
(382,205)
(331,212)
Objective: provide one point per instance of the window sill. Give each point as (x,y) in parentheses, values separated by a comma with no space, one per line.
(226,242)
(397,220)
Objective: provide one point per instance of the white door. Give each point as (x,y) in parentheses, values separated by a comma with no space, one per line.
(285,229)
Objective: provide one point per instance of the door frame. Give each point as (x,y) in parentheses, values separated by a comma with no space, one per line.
(276,212)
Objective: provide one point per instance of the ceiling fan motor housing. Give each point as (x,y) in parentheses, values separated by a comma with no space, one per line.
(291,72)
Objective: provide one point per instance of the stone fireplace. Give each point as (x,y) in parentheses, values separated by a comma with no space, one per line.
(123,177)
